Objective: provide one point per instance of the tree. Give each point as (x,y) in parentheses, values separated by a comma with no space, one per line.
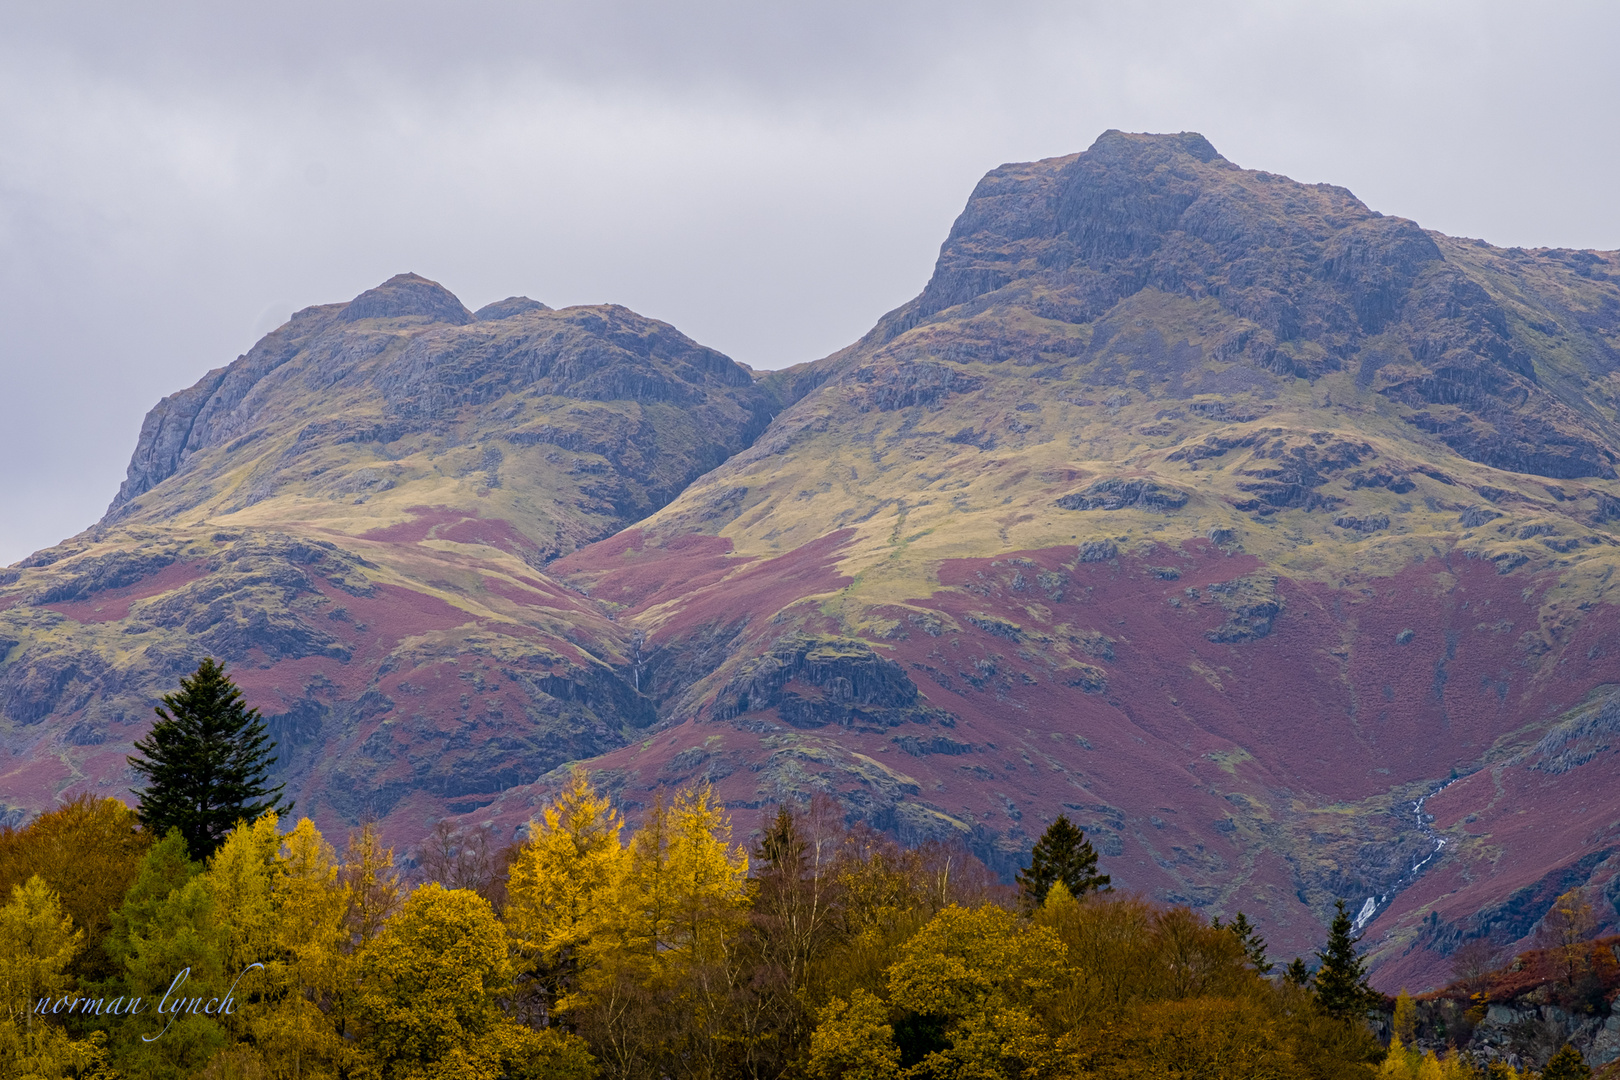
(854,1041)
(1567,1064)
(1254,946)
(37,941)
(87,851)
(559,884)
(1296,973)
(1565,931)
(1472,961)
(1061,854)
(428,999)
(658,966)
(296,1025)
(1341,980)
(1405,1019)
(371,884)
(206,763)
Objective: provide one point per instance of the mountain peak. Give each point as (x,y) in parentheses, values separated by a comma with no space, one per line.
(1116,142)
(509,308)
(408,294)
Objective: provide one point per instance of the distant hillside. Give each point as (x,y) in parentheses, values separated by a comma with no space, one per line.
(1221,512)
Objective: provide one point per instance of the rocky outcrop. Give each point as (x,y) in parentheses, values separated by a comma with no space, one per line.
(406,295)
(1311,280)
(839,681)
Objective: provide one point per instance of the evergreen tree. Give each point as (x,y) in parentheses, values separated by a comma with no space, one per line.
(1341,980)
(1567,1064)
(1254,946)
(1061,854)
(205,762)
(1296,974)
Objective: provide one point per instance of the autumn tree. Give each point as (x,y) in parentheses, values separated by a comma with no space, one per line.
(792,926)
(854,1040)
(560,884)
(428,999)
(967,987)
(87,851)
(1567,1064)
(1061,854)
(370,883)
(1404,1021)
(298,1026)
(1472,961)
(37,943)
(658,971)
(206,763)
(1566,931)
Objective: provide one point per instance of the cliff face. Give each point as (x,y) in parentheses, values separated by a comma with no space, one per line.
(1220,512)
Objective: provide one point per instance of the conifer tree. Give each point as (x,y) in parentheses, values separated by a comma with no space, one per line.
(1405,1018)
(1341,980)
(1061,854)
(1254,946)
(205,762)
(1296,974)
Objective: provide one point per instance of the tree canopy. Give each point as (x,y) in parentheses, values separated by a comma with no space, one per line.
(1061,854)
(206,763)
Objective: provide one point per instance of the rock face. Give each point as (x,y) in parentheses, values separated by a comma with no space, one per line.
(1264,535)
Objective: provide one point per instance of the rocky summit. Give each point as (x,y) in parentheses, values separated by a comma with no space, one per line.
(1268,537)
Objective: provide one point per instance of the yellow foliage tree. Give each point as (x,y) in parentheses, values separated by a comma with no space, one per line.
(37,942)
(560,883)
(370,883)
(427,1000)
(854,1040)
(295,1029)
(984,973)
(241,878)
(87,851)
(1405,1018)
(657,969)
(1405,1062)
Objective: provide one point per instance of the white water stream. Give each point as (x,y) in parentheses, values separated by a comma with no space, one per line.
(1372,904)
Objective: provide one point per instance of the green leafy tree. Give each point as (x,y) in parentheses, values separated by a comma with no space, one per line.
(205,762)
(1061,854)
(1567,1064)
(1341,980)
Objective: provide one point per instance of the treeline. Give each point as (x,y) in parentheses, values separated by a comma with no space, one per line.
(825,953)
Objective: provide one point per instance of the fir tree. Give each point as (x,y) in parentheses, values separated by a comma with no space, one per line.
(1341,980)
(1254,946)
(205,762)
(1061,854)
(1296,973)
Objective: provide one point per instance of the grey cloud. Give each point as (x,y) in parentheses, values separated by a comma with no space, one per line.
(768,177)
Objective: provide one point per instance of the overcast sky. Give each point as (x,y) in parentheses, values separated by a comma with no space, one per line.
(768,177)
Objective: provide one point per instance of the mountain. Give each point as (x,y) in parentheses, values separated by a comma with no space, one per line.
(354,515)
(1267,536)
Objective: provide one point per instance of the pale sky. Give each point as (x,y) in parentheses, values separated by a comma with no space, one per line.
(768,177)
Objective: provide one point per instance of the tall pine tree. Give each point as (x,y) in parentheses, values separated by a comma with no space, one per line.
(1254,946)
(1341,980)
(205,762)
(1061,854)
